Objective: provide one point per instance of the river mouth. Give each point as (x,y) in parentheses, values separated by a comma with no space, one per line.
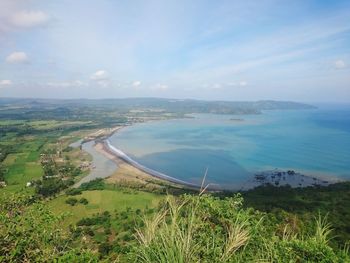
(101,166)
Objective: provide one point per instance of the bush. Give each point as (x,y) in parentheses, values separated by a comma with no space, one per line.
(97,184)
(83,201)
(104,248)
(71,201)
(50,186)
(100,219)
(73,191)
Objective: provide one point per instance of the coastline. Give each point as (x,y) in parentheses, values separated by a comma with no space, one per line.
(272,176)
(128,170)
(117,155)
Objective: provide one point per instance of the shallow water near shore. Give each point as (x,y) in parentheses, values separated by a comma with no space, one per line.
(234,148)
(102,167)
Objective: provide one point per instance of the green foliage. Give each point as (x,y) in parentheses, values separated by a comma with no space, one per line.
(83,201)
(31,233)
(306,203)
(51,186)
(207,229)
(71,201)
(99,219)
(77,256)
(97,184)
(2,173)
(104,248)
(74,191)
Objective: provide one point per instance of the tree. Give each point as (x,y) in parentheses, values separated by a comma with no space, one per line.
(71,201)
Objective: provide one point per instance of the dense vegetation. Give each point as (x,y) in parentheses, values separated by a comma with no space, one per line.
(29,232)
(332,201)
(208,229)
(190,228)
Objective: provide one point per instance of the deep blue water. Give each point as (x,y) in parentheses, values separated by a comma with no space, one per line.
(314,142)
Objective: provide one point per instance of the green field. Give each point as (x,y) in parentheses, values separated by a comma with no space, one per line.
(22,142)
(23,165)
(103,200)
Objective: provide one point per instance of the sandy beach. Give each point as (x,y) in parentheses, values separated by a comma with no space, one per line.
(129,174)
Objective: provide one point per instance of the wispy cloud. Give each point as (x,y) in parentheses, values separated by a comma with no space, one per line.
(16,14)
(100,75)
(136,84)
(5,82)
(17,58)
(27,19)
(339,64)
(66,84)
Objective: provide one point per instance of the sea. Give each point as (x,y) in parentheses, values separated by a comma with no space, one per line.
(232,149)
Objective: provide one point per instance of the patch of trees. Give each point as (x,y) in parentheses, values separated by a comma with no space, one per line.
(74,191)
(73,201)
(51,186)
(97,184)
(332,200)
(4,151)
(99,219)
(2,173)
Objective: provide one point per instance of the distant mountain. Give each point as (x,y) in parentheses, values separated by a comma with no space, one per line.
(160,104)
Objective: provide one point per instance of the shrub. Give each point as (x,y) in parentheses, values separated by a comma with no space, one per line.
(104,248)
(83,201)
(71,201)
(73,191)
(97,184)
(50,186)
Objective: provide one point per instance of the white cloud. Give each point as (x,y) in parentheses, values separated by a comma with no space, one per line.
(65,84)
(243,83)
(5,82)
(339,64)
(216,86)
(136,83)
(100,75)
(17,57)
(160,87)
(27,19)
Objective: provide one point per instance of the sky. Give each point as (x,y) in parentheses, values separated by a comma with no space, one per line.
(202,49)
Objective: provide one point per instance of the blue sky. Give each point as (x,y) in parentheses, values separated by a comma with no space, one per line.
(232,50)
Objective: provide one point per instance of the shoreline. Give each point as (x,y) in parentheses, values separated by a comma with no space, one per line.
(278,177)
(108,148)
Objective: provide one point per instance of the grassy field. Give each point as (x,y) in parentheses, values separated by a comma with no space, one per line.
(22,163)
(103,200)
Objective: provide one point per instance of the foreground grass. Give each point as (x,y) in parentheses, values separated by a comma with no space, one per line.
(207,229)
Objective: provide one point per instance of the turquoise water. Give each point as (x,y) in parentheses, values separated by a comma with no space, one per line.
(233,148)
